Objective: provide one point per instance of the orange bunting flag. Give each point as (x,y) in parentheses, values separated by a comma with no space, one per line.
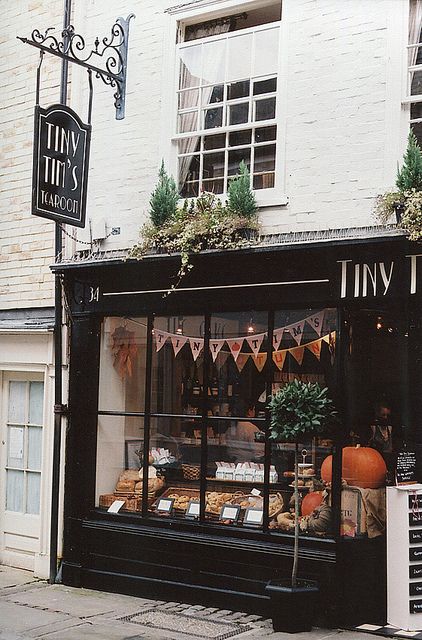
(241,360)
(196,346)
(260,360)
(315,348)
(297,353)
(235,345)
(279,358)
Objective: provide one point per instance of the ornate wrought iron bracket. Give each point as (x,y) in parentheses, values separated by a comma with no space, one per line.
(110,51)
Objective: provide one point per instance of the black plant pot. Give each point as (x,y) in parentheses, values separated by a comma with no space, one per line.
(399,210)
(293,609)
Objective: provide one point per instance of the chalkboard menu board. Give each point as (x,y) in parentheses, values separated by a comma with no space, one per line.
(406,468)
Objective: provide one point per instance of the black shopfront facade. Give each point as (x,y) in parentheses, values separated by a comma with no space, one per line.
(180,380)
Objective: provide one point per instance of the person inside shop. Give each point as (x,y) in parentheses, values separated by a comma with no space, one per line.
(382,436)
(241,443)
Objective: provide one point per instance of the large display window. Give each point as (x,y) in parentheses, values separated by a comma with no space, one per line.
(183,419)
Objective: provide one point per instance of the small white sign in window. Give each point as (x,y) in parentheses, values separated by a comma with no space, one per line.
(193,509)
(115,506)
(165,505)
(253,516)
(230,512)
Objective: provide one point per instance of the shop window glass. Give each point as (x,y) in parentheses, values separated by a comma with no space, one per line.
(122,364)
(304,349)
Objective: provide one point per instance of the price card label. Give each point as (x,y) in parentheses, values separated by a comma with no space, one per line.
(253,517)
(406,468)
(115,506)
(230,512)
(193,509)
(165,505)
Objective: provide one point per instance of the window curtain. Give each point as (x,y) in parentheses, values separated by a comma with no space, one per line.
(415,25)
(188,99)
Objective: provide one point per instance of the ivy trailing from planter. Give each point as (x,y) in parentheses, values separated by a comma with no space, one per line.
(406,202)
(199,224)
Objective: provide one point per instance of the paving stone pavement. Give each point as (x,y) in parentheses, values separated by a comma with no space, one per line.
(32,609)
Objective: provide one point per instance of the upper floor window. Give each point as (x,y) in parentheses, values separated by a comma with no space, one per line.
(227,101)
(414,86)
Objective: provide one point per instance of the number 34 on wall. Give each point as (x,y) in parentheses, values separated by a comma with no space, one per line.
(93,294)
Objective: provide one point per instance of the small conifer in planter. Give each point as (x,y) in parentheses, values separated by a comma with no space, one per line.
(241,199)
(164,198)
(298,411)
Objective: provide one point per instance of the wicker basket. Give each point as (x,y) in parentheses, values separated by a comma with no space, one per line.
(132,502)
(191,471)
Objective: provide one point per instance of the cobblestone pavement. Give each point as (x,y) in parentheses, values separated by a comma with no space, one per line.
(33,609)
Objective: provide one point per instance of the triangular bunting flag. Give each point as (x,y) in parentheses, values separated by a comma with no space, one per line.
(279,358)
(326,338)
(260,360)
(297,353)
(296,330)
(196,346)
(316,321)
(255,342)
(178,342)
(215,346)
(235,345)
(241,360)
(160,338)
(277,336)
(315,348)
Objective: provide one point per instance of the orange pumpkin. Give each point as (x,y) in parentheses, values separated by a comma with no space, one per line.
(362,467)
(310,502)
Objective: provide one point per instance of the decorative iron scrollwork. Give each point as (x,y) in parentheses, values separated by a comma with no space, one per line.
(111,53)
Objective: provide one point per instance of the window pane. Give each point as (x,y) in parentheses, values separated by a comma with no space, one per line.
(188,99)
(15,447)
(264,181)
(264,86)
(17,402)
(211,95)
(416,83)
(213,186)
(213,62)
(266,52)
(188,121)
(122,364)
(188,169)
(190,190)
(237,138)
(33,493)
(236,157)
(213,165)
(416,110)
(213,118)
(265,134)
(14,490)
(34,448)
(239,57)
(215,142)
(238,113)
(177,364)
(264,158)
(36,397)
(417,130)
(190,67)
(238,90)
(265,109)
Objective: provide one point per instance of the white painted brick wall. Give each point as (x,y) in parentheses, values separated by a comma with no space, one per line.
(340,113)
(26,242)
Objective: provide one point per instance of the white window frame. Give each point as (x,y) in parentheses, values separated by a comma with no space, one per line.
(181,16)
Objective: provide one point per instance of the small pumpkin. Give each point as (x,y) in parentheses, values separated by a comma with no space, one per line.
(311,501)
(361,467)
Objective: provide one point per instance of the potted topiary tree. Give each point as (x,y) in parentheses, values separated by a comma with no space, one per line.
(298,411)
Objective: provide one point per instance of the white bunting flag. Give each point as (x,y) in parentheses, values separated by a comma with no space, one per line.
(242,359)
(260,360)
(316,321)
(255,342)
(178,342)
(297,353)
(160,338)
(235,346)
(296,330)
(279,358)
(315,348)
(326,338)
(196,346)
(215,347)
(277,336)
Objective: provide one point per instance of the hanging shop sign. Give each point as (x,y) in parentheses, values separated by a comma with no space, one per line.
(60,165)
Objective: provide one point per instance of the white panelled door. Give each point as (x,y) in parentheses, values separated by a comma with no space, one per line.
(21,463)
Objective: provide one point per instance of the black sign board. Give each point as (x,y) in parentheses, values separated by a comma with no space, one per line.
(415,571)
(415,519)
(406,468)
(415,554)
(60,166)
(415,501)
(415,536)
(415,606)
(415,589)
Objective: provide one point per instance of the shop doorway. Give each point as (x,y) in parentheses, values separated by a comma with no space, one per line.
(21,430)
